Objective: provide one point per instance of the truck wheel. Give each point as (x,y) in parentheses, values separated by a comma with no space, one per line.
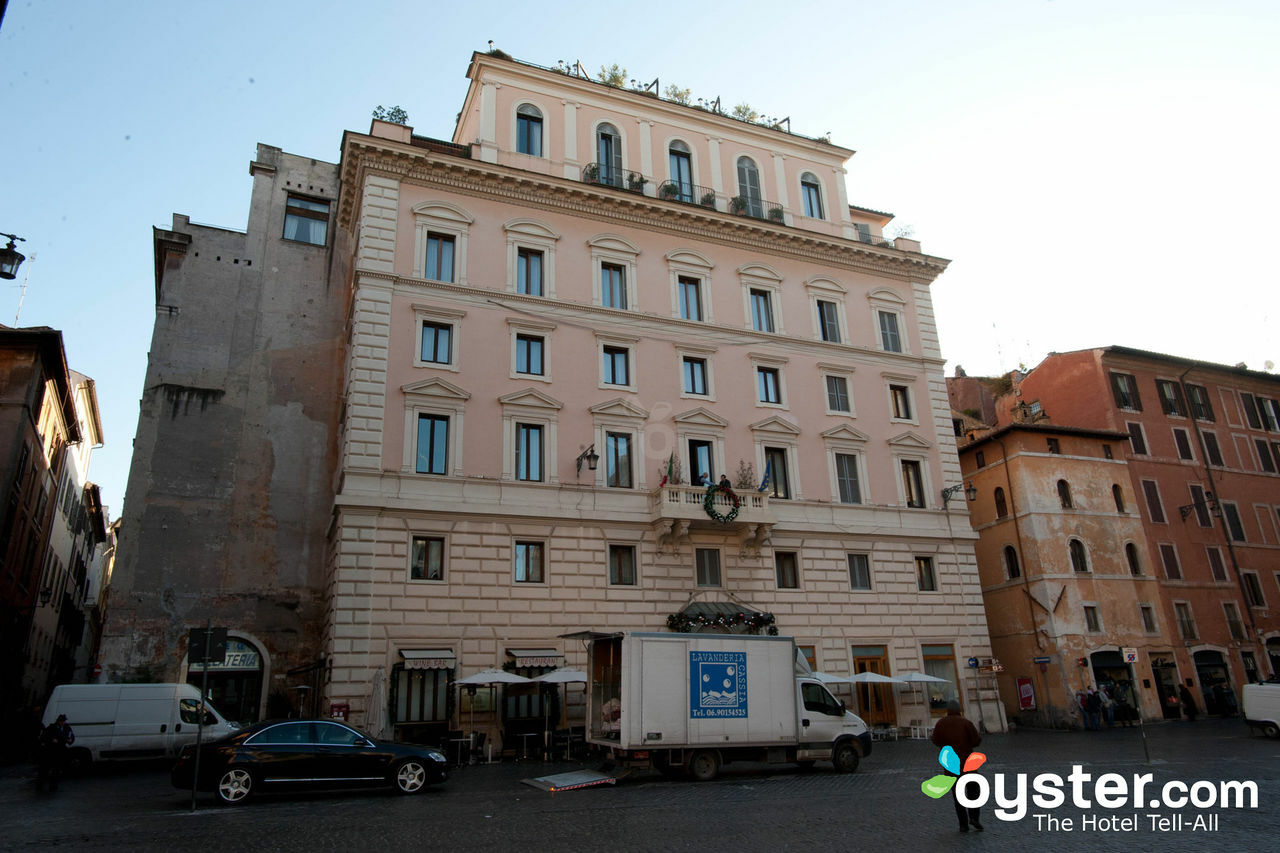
(704,766)
(845,758)
(1271,730)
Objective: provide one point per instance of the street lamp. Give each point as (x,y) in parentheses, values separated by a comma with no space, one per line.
(590,457)
(1207,501)
(970,493)
(10,257)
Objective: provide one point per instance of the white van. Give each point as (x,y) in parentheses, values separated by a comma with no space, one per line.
(129,721)
(1262,707)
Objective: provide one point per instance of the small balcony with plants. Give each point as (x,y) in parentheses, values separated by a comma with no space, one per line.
(687,193)
(756,207)
(610,176)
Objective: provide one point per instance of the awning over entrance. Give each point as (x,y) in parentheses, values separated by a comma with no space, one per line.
(428,658)
(536,657)
(719,615)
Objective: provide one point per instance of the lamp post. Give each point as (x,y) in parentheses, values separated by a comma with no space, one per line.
(970,493)
(590,457)
(10,257)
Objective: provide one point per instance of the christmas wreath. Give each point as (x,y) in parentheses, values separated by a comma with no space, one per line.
(709,503)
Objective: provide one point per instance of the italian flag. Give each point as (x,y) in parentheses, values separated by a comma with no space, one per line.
(671,466)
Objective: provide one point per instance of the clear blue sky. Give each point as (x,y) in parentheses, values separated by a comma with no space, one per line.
(1099,172)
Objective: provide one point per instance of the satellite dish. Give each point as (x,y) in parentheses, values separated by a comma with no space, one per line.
(1269,365)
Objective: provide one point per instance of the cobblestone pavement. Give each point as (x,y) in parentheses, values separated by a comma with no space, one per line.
(751,807)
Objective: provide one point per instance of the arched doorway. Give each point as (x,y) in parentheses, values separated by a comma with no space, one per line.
(1165,673)
(1111,672)
(235,685)
(1215,682)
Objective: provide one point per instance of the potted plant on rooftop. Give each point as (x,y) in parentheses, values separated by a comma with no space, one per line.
(737,205)
(669,189)
(709,200)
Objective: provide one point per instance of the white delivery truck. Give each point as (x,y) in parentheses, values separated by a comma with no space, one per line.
(132,721)
(1262,707)
(693,702)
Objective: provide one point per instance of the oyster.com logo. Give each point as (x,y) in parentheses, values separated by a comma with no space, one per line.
(940,785)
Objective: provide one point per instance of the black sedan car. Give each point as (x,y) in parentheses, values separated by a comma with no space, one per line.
(305,754)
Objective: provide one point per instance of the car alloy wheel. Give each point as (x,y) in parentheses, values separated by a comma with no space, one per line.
(411,776)
(235,785)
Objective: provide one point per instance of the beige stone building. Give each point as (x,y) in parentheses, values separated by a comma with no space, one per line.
(560,321)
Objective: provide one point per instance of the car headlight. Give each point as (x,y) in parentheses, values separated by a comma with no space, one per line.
(437,757)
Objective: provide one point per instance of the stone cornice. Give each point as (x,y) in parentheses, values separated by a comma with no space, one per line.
(369,155)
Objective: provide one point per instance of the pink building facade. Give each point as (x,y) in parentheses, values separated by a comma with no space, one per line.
(563,319)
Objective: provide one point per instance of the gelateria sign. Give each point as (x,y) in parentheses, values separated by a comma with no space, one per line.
(240,656)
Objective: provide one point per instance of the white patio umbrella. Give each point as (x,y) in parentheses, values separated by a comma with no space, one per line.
(828,678)
(564,675)
(490,677)
(874,678)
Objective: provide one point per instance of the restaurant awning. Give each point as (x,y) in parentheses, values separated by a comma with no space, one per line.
(536,657)
(428,658)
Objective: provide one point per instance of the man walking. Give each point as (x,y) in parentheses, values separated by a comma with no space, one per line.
(955,731)
(54,740)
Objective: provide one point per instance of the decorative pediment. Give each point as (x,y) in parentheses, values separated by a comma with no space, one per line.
(821,282)
(443,211)
(909,439)
(702,417)
(613,243)
(530,228)
(689,257)
(435,387)
(760,271)
(619,408)
(531,398)
(845,432)
(884,294)
(777,424)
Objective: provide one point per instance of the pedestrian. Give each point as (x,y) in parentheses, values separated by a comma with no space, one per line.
(724,482)
(1108,706)
(955,731)
(54,740)
(1188,703)
(1125,711)
(1093,710)
(1083,702)
(704,479)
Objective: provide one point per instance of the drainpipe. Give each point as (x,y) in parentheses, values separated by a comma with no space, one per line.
(1226,534)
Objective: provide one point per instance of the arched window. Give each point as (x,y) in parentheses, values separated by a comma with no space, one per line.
(749,187)
(609,155)
(529,130)
(1002,508)
(681,161)
(1131,554)
(811,195)
(1119,497)
(1011,562)
(1064,494)
(1079,560)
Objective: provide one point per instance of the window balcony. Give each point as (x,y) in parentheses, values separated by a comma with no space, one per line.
(756,208)
(676,508)
(608,176)
(687,193)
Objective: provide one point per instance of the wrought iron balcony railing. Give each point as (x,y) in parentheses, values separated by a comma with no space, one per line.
(610,176)
(687,193)
(756,207)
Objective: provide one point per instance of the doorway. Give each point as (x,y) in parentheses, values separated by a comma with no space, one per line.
(875,701)
(1215,682)
(1165,673)
(235,685)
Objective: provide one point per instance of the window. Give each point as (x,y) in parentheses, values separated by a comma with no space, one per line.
(838,395)
(1055,446)
(1148,618)
(529,452)
(437,343)
(1198,397)
(775,467)
(1250,664)
(529,272)
(1186,622)
(1169,560)
(912,483)
(613,286)
(1212,451)
(529,350)
(1079,560)
(785,565)
(1131,557)
(622,565)
(1155,509)
(761,311)
(1064,494)
(1171,402)
(749,187)
(1269,411)
(1183,443)
(768,382)
(900,399)
(433,444)
(829,321)
(1234,626)
(1252,590)
(1002,509)
(1091,621)
(1264,455)
(890,339)
(426,559)
(690,298)
(1251,410)
(939,661)
(617,460)
(1106,452)
(1125,388)
(847,478)
(1216,566)
(617,366)
(680,161)
(439,257)
(980,459)
(695,375)
(306,220)
(859,571)
(1200,505)
(926,580)
(609,155)
(529,130)
(1011,562)
(811,196)
(1117,495)
(529,562)
(1234,525)
(707,564)
(1137,439)
(700,461)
